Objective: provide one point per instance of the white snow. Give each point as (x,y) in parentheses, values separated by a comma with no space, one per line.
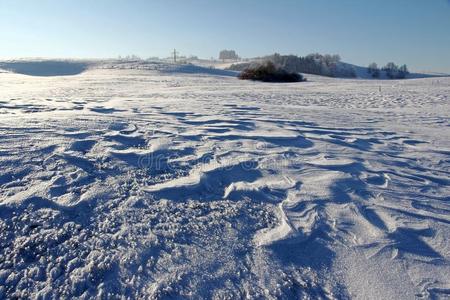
(148,180)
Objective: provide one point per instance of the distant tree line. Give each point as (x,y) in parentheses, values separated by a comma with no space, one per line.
(325,65)
(391,70)
(131,57)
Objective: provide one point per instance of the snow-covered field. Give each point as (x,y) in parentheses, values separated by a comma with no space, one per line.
(181,184)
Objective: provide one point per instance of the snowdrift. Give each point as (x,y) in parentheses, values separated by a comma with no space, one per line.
(148,180)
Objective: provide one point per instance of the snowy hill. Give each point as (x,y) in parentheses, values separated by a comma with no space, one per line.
(42,67)
(147,180)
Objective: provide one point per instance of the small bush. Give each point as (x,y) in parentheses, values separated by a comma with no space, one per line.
(268,72)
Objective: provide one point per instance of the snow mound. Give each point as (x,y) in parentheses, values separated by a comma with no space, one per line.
(45,67)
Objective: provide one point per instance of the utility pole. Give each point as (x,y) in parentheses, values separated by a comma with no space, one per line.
(175,55)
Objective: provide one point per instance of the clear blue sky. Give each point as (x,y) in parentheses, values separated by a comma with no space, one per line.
(415,32)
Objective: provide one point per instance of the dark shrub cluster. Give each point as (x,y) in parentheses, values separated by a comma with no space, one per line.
(269,72)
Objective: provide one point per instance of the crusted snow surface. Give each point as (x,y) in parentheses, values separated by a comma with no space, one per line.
(127,183)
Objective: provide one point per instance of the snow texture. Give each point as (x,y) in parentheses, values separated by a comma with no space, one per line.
(142,180)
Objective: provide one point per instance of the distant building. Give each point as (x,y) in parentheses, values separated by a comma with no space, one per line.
(228,55)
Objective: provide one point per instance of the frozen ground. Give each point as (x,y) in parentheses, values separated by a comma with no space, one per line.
(175,184)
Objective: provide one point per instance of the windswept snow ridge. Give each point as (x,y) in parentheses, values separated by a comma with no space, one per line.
(165,183)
